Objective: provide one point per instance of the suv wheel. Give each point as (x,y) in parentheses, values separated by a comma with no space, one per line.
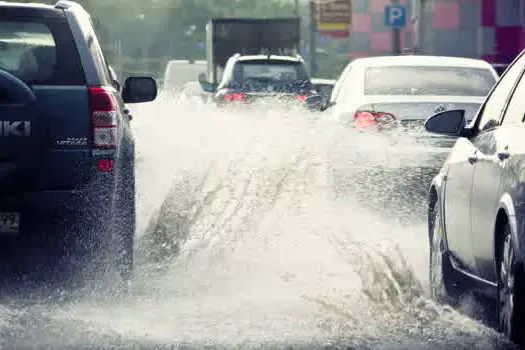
(125,222)
(102,241)
(443,287)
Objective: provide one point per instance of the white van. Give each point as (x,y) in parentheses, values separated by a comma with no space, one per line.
(180,72)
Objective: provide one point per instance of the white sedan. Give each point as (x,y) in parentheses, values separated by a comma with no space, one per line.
(405,90)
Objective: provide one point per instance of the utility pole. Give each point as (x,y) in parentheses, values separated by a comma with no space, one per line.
(417,25)
(396,35)
(313,39)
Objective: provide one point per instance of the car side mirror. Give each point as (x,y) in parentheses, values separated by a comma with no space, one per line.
(327,104)
(315,102)
(139,89)
(449,123)
(205,84)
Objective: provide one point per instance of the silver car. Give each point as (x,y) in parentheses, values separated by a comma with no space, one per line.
(405,90)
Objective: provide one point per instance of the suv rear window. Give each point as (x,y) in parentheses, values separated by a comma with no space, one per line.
(283,76)
(428,80)
(270,70)
(40,52)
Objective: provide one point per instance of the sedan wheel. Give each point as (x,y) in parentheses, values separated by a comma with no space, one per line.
(442,287)
(510,304)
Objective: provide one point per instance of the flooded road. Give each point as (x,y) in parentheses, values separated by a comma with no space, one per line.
(268,228)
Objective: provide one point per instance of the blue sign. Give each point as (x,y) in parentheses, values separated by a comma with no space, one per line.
(322,39)
(201,45)
(395,16)
(342,48)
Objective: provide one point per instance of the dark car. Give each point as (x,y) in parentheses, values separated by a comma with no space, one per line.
(247,79)
(477,204)
(66,149)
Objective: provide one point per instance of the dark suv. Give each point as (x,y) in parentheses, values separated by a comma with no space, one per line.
(67,182)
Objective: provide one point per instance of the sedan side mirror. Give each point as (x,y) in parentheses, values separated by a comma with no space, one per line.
(449,123)
(315,102)
(139,89)
(205,84)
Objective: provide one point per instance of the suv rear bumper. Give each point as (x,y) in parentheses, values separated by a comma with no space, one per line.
(45,212)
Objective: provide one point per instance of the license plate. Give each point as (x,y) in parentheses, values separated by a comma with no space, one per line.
(9,223)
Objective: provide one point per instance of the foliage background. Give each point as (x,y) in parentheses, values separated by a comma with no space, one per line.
(140,36)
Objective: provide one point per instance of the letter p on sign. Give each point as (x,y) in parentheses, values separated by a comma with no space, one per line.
(395,16)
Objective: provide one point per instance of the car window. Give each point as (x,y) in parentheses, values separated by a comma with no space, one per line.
(39,52)
(323,88)
(428,80)
(516,108)
(491,112)
(98,55)
(264,74)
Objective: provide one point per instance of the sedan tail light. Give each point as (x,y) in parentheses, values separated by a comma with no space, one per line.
(233,97)
(301,98)
(369,119)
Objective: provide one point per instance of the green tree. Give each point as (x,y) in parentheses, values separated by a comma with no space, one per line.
(173,29)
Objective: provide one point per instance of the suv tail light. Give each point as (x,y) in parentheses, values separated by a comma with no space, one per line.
(301,98)
(368,119)
(233,97)
(103,118)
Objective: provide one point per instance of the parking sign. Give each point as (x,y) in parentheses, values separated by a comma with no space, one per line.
(395,16)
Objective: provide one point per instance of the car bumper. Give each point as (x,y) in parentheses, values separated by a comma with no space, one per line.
(45,212)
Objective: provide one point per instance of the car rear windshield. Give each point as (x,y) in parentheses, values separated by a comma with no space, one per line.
(40,52)
(428,80)
(265,73)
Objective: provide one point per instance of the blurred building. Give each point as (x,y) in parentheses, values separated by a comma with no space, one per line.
(488,29)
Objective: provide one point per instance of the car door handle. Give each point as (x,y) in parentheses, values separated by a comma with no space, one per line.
(473,159)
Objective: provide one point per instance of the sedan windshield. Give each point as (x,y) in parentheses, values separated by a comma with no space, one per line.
(428,80)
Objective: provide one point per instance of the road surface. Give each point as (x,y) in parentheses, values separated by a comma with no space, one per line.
(263,228)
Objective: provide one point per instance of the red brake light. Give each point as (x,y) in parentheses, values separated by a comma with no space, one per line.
(104,165)
(103,118)
(233,97)
(367,119)
(301,98)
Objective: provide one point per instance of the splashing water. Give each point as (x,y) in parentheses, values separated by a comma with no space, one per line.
(271,225)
